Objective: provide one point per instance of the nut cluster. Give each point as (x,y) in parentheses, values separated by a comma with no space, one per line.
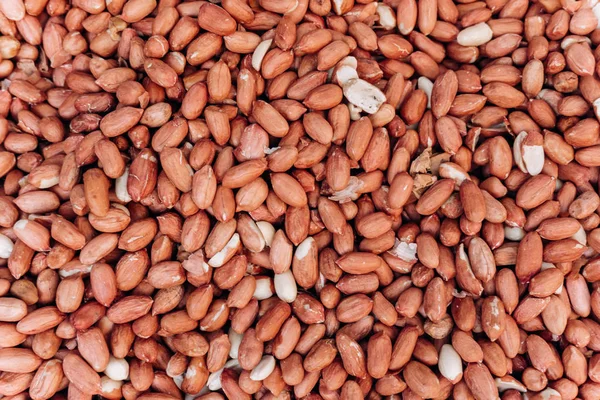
(311,199)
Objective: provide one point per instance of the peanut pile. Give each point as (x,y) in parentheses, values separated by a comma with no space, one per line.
(299,199)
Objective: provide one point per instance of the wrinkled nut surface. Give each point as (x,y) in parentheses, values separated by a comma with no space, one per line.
(311,199)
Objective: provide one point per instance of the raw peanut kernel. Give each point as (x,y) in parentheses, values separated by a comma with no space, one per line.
(299,199)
